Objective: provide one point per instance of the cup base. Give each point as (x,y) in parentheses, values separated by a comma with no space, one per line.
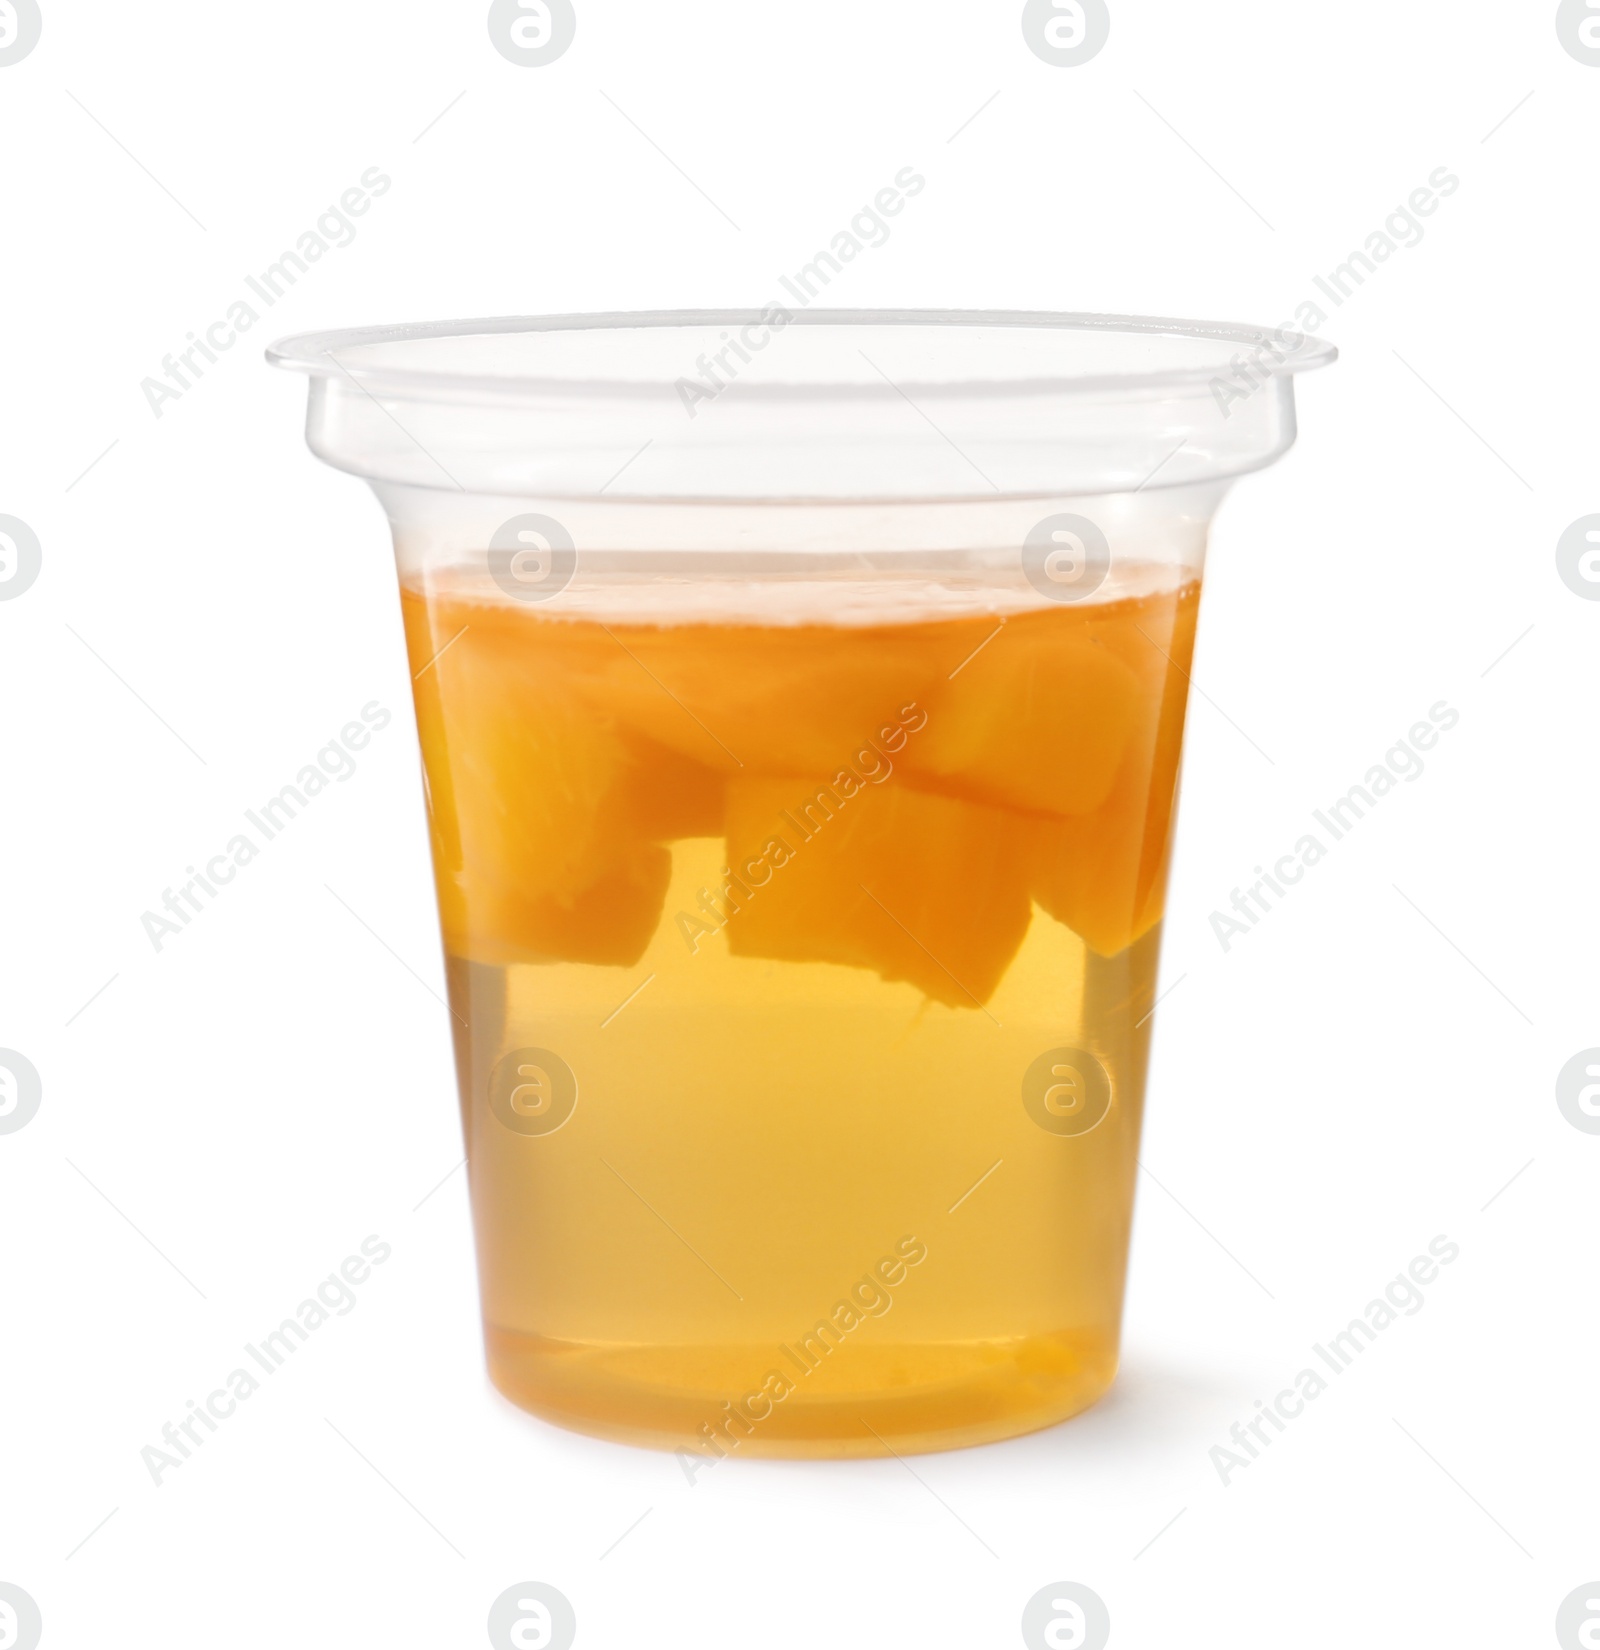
(896,1400)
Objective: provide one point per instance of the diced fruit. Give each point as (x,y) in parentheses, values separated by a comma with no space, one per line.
(773,699)
(610,922)
(1091,882)
(668,796)
(916,887)
(1039,719)
(563,753)
(536,852)
(1105,874)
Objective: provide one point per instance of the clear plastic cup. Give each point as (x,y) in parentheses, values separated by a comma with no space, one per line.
(801,699)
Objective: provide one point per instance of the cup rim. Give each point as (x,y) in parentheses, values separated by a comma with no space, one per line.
(1288,353)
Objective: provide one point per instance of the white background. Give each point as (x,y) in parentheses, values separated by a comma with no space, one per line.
(1342,1086)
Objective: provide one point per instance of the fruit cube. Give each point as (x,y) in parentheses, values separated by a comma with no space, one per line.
(1039,719)
(917,887)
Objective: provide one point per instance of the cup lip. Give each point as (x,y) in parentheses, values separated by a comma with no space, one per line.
(316,353)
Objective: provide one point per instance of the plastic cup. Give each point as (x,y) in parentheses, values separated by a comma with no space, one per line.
(801,699)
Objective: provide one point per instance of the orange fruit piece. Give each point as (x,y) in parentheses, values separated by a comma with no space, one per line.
(1039,719)
(916,887)
(537,812)
(1104,874)
(799,699)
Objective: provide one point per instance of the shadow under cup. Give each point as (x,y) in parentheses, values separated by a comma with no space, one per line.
(801,700)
